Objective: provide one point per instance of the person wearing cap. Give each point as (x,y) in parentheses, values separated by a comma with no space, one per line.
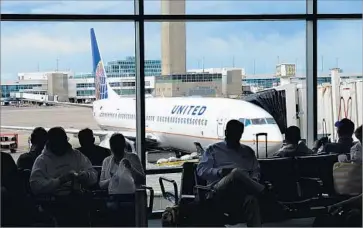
(345,130)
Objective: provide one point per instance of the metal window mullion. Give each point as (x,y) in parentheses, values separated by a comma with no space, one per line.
(311,72)
(185,17)
(140,82)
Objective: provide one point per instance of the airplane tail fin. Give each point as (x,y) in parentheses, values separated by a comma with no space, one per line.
(102,88)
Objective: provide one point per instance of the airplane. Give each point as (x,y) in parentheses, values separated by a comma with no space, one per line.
(174,122)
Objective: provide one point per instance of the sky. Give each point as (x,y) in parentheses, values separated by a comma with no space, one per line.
(255,46)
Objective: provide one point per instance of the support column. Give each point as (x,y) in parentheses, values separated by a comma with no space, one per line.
(311,72)
(335,96)
(140,82)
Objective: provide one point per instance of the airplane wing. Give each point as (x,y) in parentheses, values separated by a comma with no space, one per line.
(67,130)
(130,135)
(63,103)
(70,104)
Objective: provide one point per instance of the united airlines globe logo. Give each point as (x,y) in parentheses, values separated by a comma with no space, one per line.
(100,82)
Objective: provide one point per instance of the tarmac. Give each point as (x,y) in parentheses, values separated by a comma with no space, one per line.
(66,117)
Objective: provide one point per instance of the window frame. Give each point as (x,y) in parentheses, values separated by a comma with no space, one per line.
(139,18)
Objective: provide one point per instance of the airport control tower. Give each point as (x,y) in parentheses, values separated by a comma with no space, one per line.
(173,39)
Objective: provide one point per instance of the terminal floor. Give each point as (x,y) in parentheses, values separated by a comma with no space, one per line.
(304,222)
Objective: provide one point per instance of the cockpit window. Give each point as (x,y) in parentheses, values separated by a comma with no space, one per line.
(258,121)
(247,122)
(270,121)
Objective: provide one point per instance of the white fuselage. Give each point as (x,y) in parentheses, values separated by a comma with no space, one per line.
(179,122)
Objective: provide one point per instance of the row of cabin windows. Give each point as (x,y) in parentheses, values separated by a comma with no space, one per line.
(163,119)
(182,120)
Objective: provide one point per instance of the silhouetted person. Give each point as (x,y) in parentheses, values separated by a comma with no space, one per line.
(96,154)
(38,138)
(293,145)
(351,215)
(8,172)
(59,170)
(111,163)
(14,201)
(59,164)
(345,130)
(233,171)
(356,150)
(8,186)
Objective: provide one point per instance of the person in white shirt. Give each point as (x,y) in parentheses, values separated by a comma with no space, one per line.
(355,150)
(58,165)
(111,163)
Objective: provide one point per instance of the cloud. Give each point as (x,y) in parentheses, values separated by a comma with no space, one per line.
(96,7)
(256,46)
(70,6)
(255,53)
(24,47)
(45,43)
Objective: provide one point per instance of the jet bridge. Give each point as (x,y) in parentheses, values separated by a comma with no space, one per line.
(274,102)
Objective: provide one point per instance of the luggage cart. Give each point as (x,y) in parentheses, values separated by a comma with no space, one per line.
(9,141)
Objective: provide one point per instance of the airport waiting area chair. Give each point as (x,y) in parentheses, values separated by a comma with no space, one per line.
(303,184)
(319,168)
(186,193)
(97,206)
(192,199)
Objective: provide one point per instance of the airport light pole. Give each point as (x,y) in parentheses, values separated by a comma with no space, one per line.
(57,64)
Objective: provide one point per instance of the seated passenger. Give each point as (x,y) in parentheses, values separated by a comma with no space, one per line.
(9,176)
(130,160)
(58,165)
(345,129)
(233,172)
(14,200)
(38,139)
(347,213)
(95,154)
(355,151)
(294,146)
